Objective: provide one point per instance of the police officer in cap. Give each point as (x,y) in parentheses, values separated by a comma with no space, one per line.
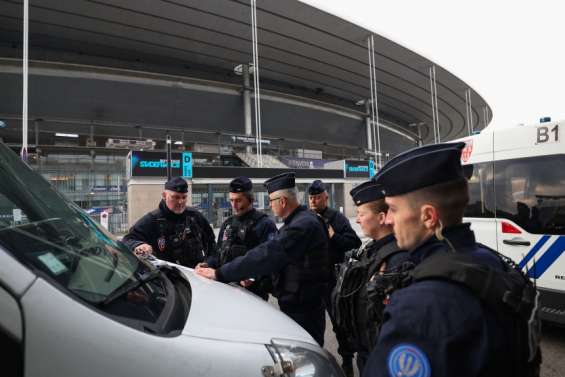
(173,232)
(342,238)
(298,255)
(463,310)
(359,296)
(243,231)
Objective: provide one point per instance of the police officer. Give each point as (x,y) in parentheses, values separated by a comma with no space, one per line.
(465,310)
(173,232)
(342,239)
(357,300)
(298,255)
(243,231)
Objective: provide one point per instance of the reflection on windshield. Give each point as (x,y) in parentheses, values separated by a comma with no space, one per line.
(50,234)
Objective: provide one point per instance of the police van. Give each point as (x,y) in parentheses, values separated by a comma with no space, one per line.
(517,203)
(74,301)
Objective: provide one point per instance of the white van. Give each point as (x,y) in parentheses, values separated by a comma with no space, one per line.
(517,202)
(75,302)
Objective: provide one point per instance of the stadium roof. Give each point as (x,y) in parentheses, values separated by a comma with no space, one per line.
(303,51)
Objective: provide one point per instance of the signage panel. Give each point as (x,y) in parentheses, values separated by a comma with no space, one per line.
(154,164)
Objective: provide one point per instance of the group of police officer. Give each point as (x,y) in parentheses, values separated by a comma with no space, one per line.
(421,298)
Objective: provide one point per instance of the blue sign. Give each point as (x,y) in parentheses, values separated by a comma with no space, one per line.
(356,169)
(187,164)
(371,168)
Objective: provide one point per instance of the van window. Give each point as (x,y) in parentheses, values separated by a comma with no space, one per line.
(481,191)
(531,192)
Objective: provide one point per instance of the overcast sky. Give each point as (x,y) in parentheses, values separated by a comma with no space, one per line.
(511,52)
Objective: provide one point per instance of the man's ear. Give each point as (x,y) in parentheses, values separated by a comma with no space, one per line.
(429,216)
(382,218)
(164,195)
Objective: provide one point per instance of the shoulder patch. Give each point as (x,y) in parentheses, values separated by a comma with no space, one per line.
(407,360)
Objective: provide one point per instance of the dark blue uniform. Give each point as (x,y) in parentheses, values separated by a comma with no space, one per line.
(237,235)
(440,328)
(298,256)
(185,238)
(344,238)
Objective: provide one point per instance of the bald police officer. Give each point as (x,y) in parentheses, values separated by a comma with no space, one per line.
(243,231)
(463,311)
(342,238)
(297,255)
(173,232)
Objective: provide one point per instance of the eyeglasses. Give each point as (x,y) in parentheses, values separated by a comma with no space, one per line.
(272,200)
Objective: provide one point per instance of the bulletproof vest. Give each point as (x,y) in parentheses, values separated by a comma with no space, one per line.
(358,308)
(238,237)
(180,242)
(307,275)
(509,294)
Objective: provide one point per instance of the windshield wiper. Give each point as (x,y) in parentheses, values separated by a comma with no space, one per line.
(142,279)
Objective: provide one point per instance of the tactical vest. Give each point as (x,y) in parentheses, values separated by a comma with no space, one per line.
(509,294)
(179,242)
(238,237)
(357,305)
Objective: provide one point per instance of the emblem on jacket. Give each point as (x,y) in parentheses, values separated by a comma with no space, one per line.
(407,360)
(161,243)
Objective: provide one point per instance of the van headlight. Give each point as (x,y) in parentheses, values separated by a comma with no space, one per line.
(299,359)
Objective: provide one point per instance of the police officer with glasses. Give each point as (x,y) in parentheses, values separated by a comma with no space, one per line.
(297,256)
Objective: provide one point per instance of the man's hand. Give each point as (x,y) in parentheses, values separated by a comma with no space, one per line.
(331,231)
(208,273)
(202,265)
(143,249)
(247,282)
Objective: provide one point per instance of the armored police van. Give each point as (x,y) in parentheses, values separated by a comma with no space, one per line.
(74,301)
(517,203)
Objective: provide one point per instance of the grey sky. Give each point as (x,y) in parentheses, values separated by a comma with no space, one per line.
(512,53)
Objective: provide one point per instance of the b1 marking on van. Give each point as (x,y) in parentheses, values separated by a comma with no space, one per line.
(547,135)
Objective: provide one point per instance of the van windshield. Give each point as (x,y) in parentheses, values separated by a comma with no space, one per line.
(55,238)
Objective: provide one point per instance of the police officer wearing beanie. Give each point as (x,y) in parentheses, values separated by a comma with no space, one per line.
(173,232)
(342,238)
(243,231)
(359,296)
(458,312)
(297,255)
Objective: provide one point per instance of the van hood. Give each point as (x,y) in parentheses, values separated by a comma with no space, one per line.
(225,312)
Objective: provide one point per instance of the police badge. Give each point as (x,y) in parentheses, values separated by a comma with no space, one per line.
(161,243)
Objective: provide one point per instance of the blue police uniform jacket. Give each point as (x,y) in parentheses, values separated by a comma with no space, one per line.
(439,328)
(146,230)
(344,238)
(301,238)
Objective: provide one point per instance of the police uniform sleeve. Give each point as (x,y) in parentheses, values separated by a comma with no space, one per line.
(266,229)
(268,257)
(427,333)
(141,232)
(213,259)
(344,238)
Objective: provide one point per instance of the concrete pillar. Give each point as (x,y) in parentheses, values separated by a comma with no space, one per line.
(247,103)
(368,123)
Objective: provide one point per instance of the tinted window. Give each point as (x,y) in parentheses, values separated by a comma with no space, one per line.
(481,191)
(531,192)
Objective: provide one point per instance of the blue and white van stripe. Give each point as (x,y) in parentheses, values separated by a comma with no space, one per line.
(543,255)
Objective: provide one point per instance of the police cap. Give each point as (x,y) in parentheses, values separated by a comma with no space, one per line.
(366,192)
(280,182)
(317,187)
(241,184)
(421,167)
(177,184)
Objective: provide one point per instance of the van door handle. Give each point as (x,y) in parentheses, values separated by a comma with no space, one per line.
(516,242)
